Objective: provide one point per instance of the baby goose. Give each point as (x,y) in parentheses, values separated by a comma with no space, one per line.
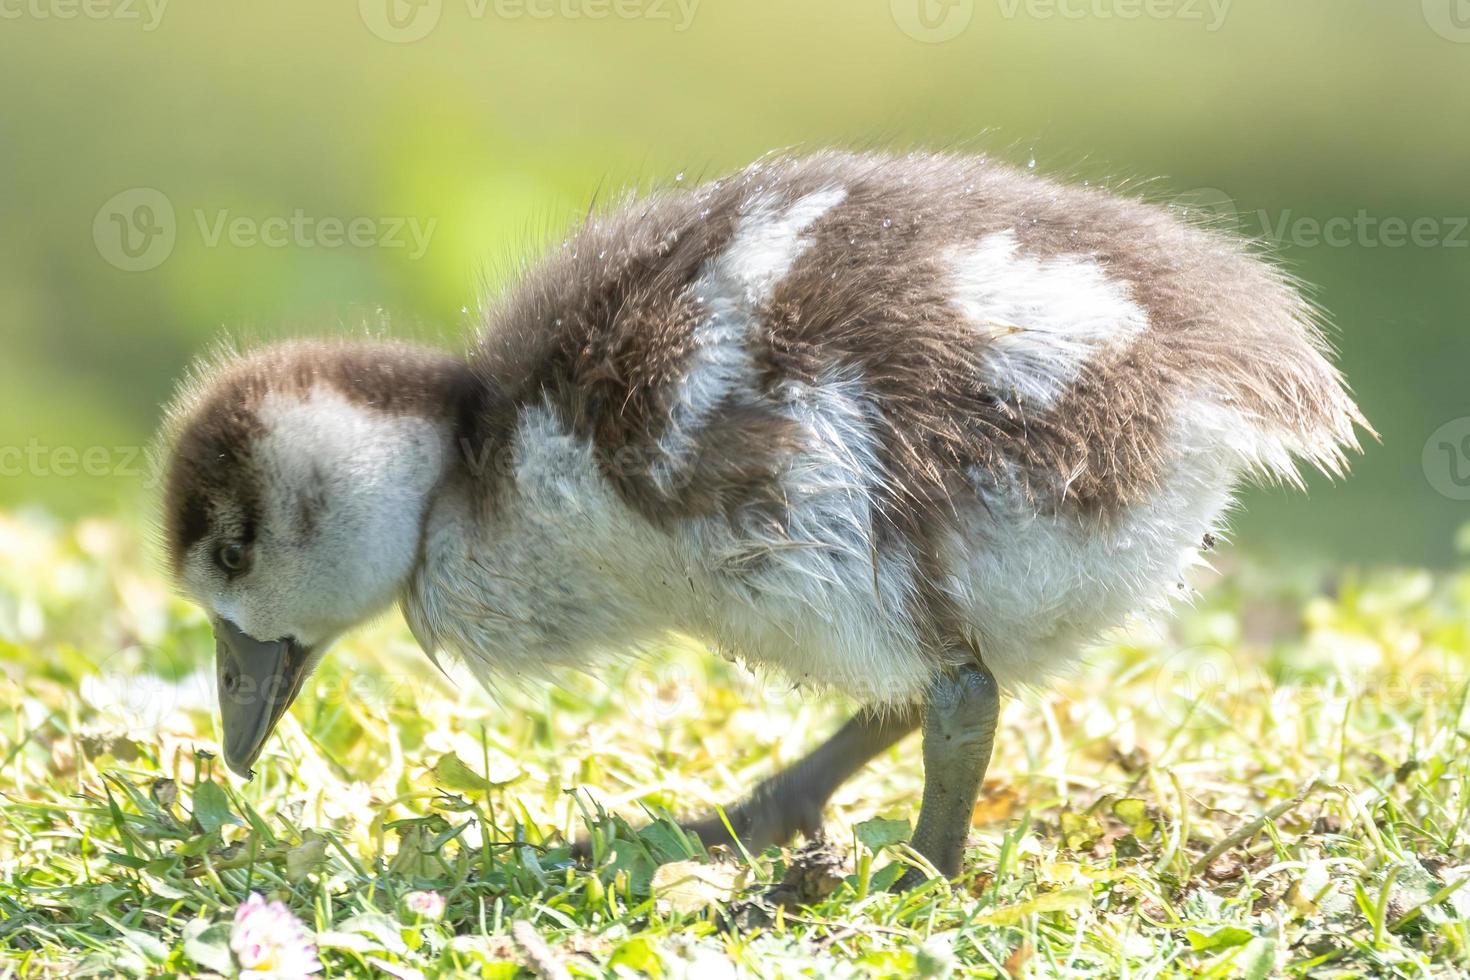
(912,428)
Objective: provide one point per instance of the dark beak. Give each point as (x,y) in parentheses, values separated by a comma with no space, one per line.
(258,680)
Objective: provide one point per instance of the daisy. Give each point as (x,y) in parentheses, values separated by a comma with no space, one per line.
(270,943)
(426,905)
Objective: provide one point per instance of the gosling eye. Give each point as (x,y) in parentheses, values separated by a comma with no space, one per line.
(231,557)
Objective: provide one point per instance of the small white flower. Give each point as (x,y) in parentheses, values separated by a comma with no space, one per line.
(270,943)
(425,905)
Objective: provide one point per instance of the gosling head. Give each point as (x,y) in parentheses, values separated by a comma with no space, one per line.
(296,482)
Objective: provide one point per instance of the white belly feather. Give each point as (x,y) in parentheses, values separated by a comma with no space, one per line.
(568,574)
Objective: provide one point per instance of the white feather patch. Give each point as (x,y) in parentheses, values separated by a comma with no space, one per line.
(1041,319)
(732,286)
(343,489)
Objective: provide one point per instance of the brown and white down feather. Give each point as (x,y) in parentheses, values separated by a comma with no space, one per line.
(852,416)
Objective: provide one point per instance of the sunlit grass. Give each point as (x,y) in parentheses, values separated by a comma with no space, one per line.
(1276,783)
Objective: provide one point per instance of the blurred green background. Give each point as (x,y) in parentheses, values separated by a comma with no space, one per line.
(485,126)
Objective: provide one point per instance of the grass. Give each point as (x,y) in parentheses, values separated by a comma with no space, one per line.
(1275,784)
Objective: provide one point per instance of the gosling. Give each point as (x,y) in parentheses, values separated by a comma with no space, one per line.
(912,428)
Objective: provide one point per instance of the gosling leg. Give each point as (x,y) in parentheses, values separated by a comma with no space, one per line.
(959,731)
(792,800)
